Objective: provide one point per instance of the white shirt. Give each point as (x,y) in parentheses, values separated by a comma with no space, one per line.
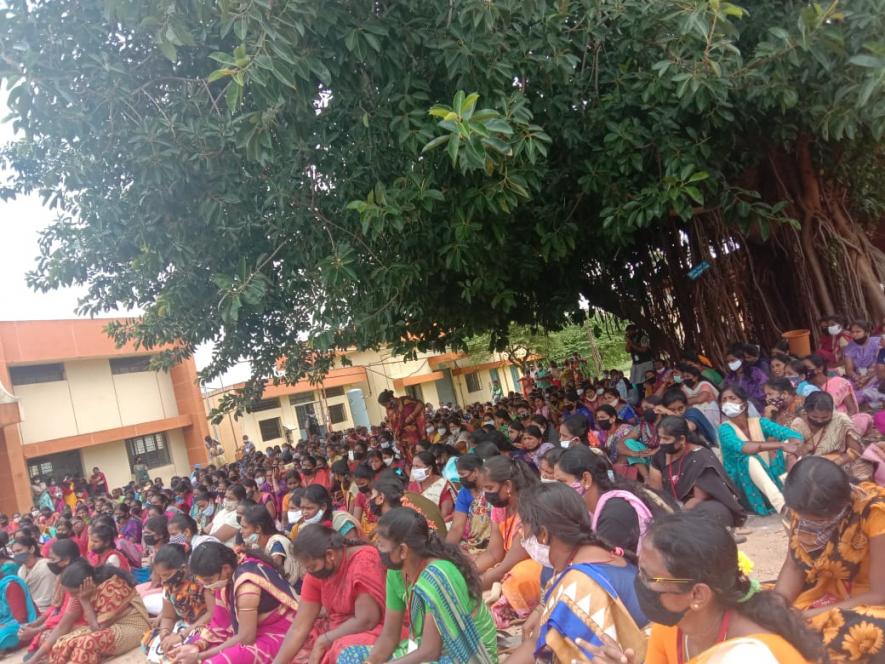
(224,517)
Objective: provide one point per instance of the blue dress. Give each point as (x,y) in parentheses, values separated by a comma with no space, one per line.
(9,626)
(737,463)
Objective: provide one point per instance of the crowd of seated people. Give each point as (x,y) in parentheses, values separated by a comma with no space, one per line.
(593,518)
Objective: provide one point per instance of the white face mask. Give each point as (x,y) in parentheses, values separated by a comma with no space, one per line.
(420,474)
(259,481)
(538,552)
(251,540)
(734,366)
(546,480)
(834,330)
(316,518)
(731,409)
(440,429)
(600,391)
(294,516)
(566,443)
(388,461)
(430,430)
(456,431)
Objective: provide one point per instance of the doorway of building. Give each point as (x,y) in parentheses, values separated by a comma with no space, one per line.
(56,466)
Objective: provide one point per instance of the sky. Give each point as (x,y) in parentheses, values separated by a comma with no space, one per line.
(22,220)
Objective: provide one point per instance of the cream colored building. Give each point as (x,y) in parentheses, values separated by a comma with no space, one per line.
(282,414)
(82,402)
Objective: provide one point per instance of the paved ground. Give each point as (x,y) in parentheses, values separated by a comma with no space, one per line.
(766,546)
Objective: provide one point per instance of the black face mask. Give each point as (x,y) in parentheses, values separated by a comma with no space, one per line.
(387,562)
(60,535)
(689,382)
(494,499)
(323,573)
(365,489)
(55,568)
(149,539)
(605,425)
(861,341)
(649,415)
(650,603)
(670,448)
(375,508)
(469,484)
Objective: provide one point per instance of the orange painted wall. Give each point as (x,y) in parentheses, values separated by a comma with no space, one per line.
(32,342)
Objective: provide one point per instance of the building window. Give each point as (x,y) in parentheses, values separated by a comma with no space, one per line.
(270,429)
(37,373)
(337,414)
(263,404)
(472,380)
(127,365)
(415,392)
(43,469)
(152,449)
(56,466)
(335,392)
(304,397)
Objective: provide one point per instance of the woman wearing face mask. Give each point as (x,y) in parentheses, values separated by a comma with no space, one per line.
(205,509)
(471,525)
(833,338)
(426,480)
(259,603)
(316,507)
(842,391)
(389,492)
(34,570)
(592,591)
(57,619)
(437,584)
(224,525)
(613,434)
(703,609)
(693,475)
(833,570)
(363,475)
(344,581)
(861,353)
(619,510)
(184,605)
(624,411)
(127,527)
(183,530)
(259,532)
(827,432)
(743,375)
(260,497)
(701,394)
(782,405)
(505,561)
(752,461)
(114,614)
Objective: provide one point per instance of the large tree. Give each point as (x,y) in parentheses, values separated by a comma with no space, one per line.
(266,174)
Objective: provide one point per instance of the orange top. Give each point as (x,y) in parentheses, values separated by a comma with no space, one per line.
(662,648)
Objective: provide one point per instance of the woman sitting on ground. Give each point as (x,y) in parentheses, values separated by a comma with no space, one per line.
(44,630)
(184,604)
(860,353)
(691,473)
(316,507)
(827,432)
(34,570)
(703,609)
(260,605)
(613,434)
(782,404)
(833,571)
(389,492)
(472,524)
(114,614)
(16,607)
(427,577)
(841,389)
(344,582)
(593,590)
(426,480)
(753,462)
(620,511)
(224,526)
(259,532)
(103,547)
(505,561)
(185,531)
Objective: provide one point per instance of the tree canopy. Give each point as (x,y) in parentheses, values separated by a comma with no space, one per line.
(287,178)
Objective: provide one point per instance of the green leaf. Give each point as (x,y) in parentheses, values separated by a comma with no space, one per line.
(436,142)
(168,50)
(869,61)
(452,148)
